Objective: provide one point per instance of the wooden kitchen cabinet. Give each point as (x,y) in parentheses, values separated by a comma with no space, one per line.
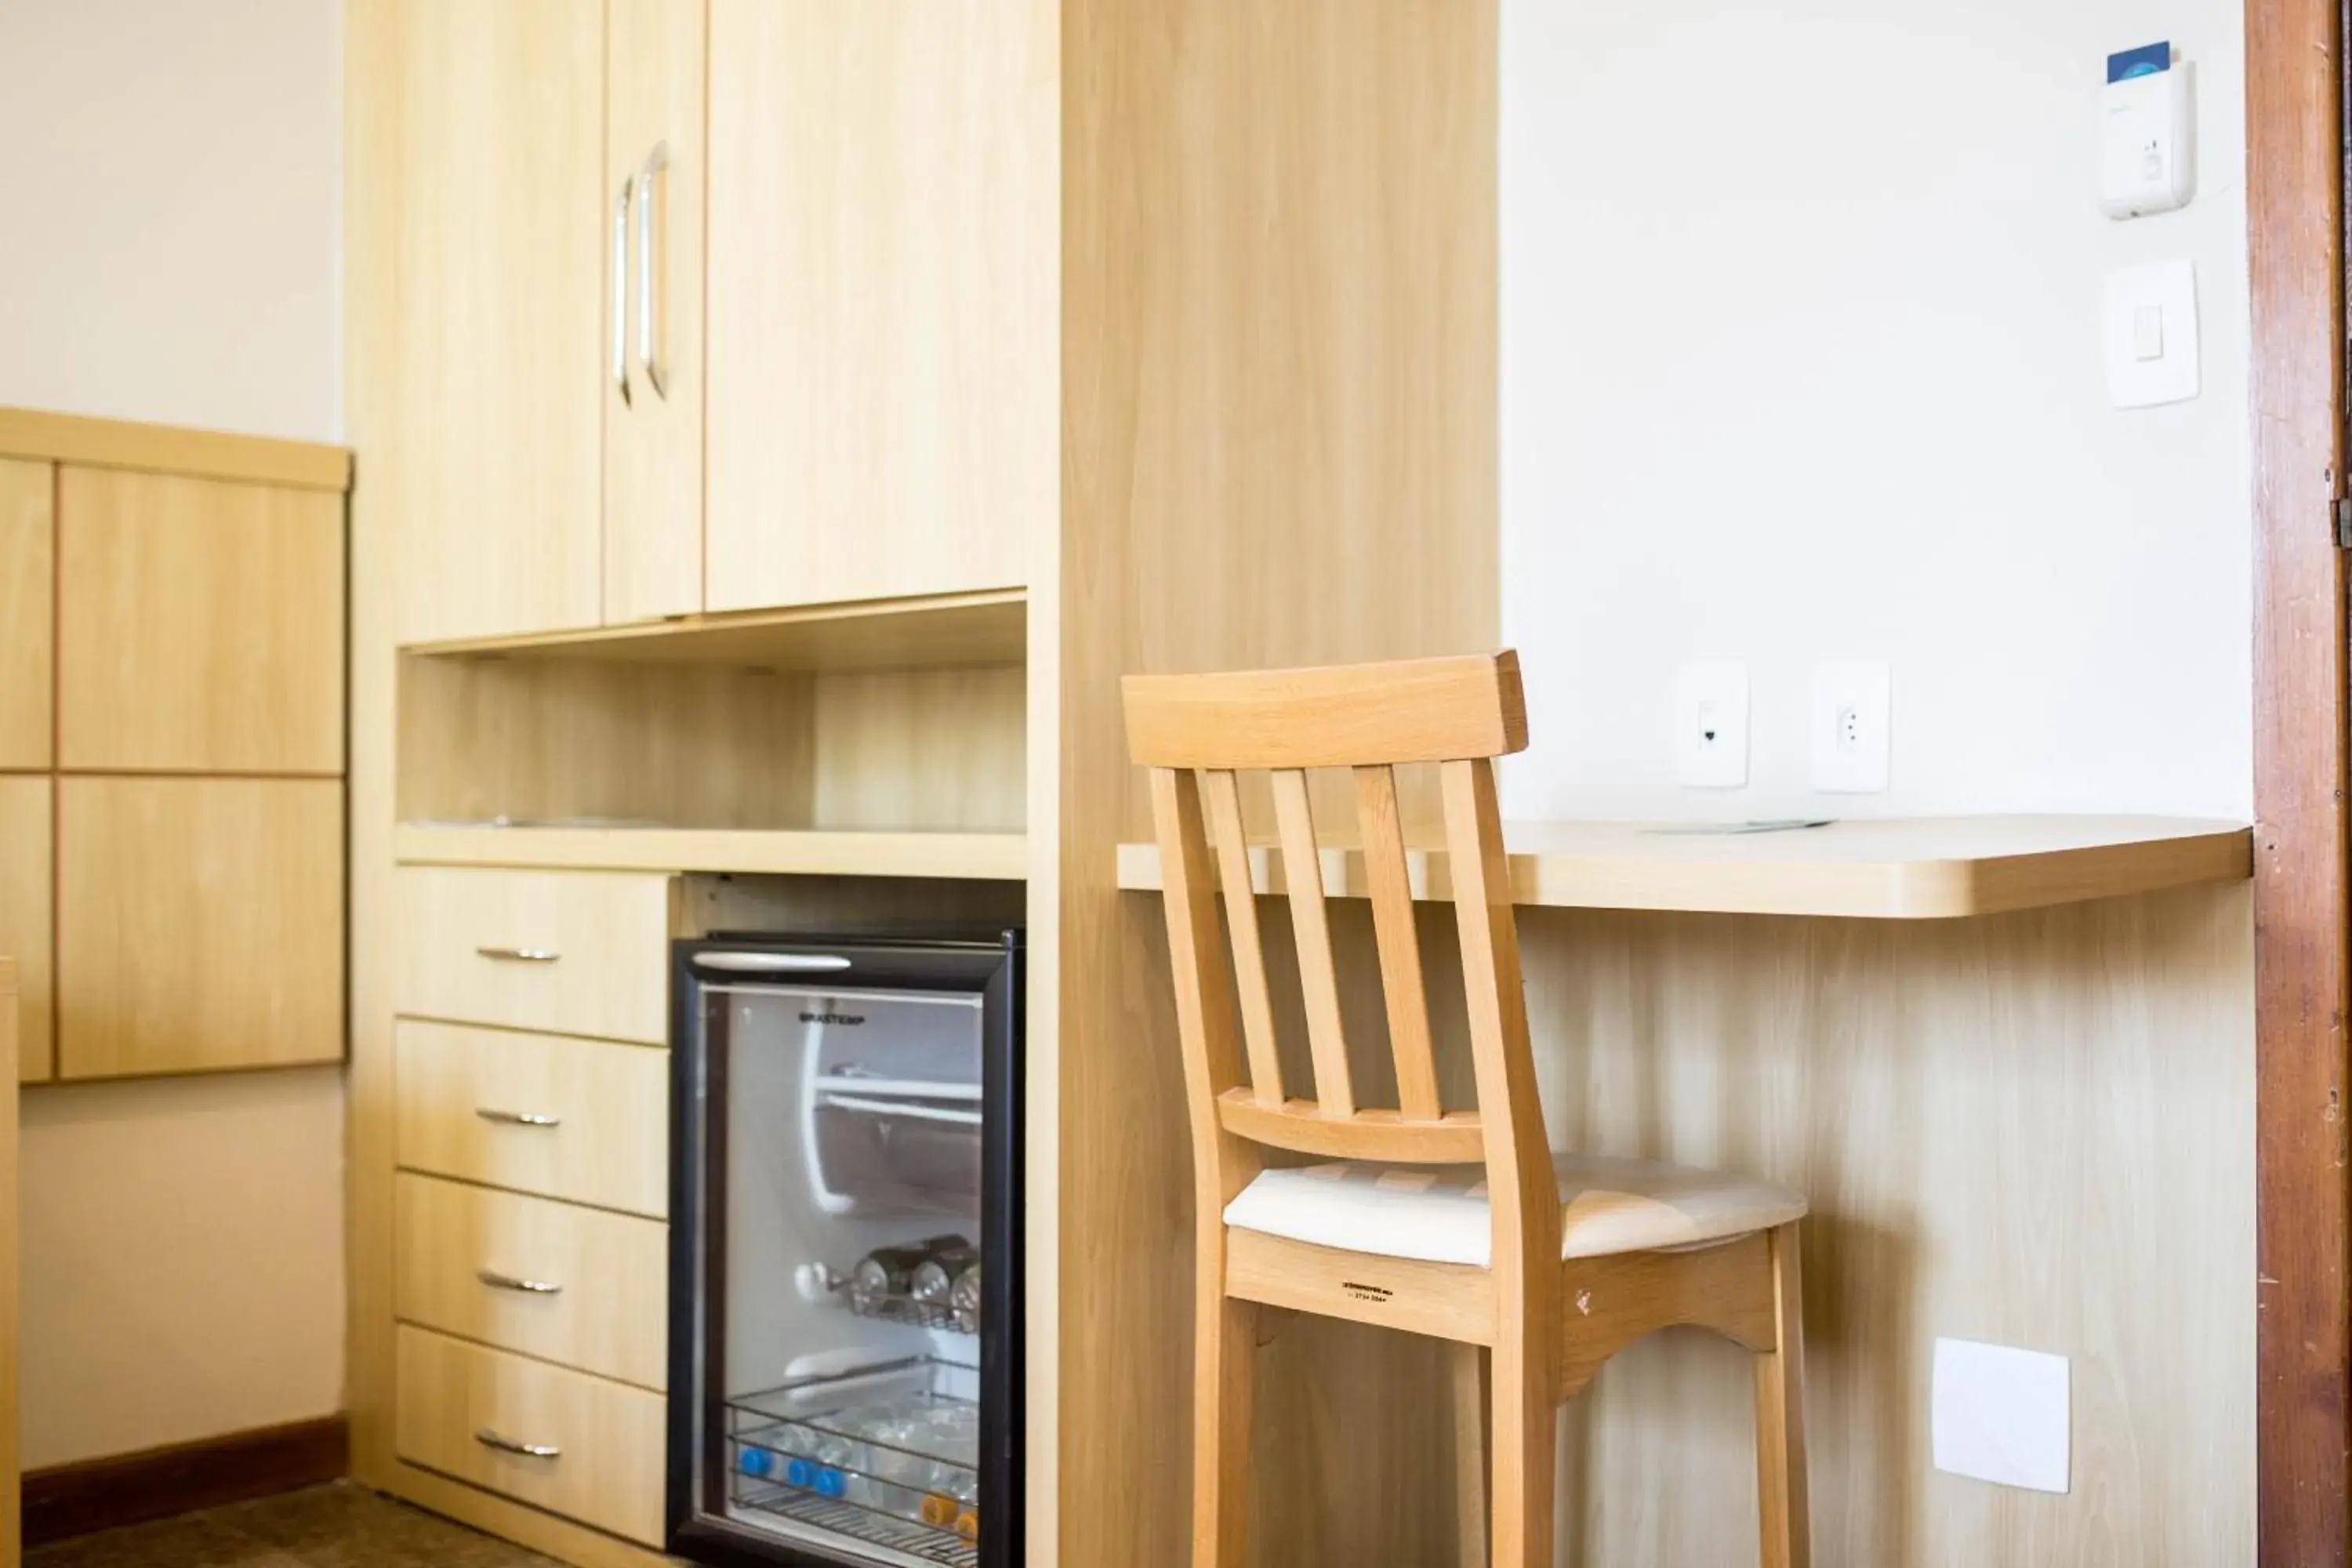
(25,869)
(882,278)
(481,129)
(199,924)
(204,632)
(27,578)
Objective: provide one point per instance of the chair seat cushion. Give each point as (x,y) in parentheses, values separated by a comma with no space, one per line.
(1438,1213)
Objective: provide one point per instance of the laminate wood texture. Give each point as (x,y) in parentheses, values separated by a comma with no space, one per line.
(200,625)
(28,588)
(37,435)
(578,1287)
(608,1471)
(935,749)
(479,243)
(997,856)
(881,293)
(27,908)
(608,1145)
(686,745)
(572,952)
(11,1492)
(1432,711)
(1896,868)
(199,924)
(921,631)
(2295,86)
(1274,218)
(653,434)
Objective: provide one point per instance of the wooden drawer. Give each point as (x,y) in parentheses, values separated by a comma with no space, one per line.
(607,1143)
(469,1258)
(608,1468)
(578,953)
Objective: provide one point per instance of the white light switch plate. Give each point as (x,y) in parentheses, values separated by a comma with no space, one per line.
(2151,334)
(2003,1415)
(1852,715)
(1711,724)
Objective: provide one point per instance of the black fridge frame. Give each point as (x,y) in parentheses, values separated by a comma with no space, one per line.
(999,965)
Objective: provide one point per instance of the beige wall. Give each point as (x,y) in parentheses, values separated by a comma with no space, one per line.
(171,176)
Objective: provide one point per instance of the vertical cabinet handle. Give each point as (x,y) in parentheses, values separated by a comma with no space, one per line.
(490,1437)
(649,273)
(620,291)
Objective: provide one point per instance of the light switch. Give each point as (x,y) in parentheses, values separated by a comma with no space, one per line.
(2151,334)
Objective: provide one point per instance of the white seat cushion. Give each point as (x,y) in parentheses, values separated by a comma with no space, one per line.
(1438,1213)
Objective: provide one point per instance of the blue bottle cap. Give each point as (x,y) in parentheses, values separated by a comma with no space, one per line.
(800,1473)
(830,1482)
(756,1461)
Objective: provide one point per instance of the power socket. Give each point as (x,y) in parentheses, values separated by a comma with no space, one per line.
(1853,703)
(1711,724)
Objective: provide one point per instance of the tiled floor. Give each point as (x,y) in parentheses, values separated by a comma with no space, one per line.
(338,1526)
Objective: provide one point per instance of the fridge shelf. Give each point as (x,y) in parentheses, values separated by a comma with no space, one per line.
(808,1450)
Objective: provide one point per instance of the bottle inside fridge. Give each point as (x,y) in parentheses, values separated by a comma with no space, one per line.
(844,1370)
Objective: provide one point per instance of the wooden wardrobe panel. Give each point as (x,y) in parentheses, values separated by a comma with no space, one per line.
(25,912)
(653,436)
(28,577)
(883,183)
(481,128)
(200,924)
(200,625)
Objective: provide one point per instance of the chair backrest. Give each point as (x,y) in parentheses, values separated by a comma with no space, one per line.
(1197,734)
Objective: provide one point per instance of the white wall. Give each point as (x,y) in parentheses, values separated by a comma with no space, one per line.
(170,232)
(1801,361)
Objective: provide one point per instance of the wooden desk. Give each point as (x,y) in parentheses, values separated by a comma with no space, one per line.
(1892,869)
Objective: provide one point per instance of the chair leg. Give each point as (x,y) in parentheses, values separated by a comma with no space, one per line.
(1781,1416)
(1225,1383)
(1527,1438)
(1470,1400)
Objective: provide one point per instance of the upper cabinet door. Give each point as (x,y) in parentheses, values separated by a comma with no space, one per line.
(883,272)
(654,172)
(482,234)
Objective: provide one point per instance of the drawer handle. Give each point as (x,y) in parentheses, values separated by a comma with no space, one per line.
(490,1438)
(518,1118)
(520,954)
(491,1277)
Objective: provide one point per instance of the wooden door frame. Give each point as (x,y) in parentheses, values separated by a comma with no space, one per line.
(2295,209)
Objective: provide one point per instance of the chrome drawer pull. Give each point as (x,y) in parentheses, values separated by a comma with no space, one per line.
(520,954)
(489,1438)
(518,1118)
(491,1277)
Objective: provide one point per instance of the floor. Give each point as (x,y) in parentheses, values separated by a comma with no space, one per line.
(337,1526)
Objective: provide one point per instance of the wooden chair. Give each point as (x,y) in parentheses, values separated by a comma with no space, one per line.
(1547,1264)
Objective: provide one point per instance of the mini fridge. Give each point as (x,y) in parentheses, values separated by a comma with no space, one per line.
(845,1258)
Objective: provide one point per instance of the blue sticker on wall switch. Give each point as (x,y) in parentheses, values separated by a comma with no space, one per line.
(2146,61)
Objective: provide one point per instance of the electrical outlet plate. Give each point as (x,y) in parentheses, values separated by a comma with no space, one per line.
(1853,704)
(1711,724)
(2003,1415)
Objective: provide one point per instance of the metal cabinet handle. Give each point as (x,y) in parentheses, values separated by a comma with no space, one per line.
(497,1281)
(520,954)
(488,1438)
(518,1118)
(649,274)
(620,291)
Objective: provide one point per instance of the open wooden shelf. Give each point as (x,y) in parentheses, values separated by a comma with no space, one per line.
(943,629)
(984,856)
(1894,868)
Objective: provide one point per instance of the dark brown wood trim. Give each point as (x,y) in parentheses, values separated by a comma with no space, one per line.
(2302,1203)
(159,1483)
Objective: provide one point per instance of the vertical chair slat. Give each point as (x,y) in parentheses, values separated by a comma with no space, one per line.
(1392,921)
(1224,800)
(1221,1164)
(1318,984)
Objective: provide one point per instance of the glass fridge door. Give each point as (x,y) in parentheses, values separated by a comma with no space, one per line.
(838,1215)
